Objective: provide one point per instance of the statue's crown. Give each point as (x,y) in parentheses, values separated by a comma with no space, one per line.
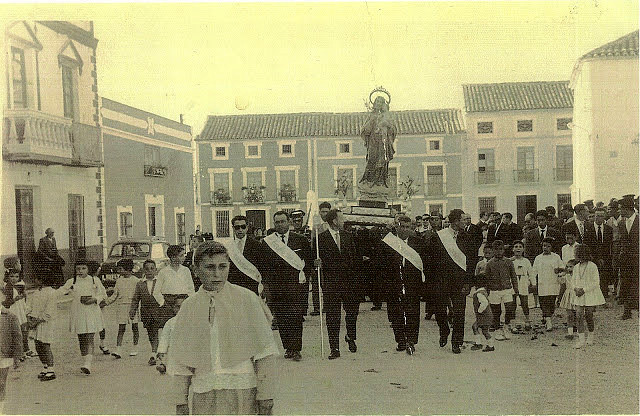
(382,90)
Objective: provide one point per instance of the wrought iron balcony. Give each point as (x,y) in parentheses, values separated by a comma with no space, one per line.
(435,189)
(288,194)
(563,174)
(220,197)
(253,194)
(36,137)
(487,177)
(525,175)
(155,171)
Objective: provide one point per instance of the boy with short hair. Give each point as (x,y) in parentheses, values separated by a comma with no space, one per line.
(482,264)
(547,267)
(502,283)
(147,295)
(526,279)
(568,250)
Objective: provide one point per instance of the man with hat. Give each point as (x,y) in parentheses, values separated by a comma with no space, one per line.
(628,228)
(297,223)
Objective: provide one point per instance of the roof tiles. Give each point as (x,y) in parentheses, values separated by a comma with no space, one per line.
(308,125)
(512,96)
(621,47)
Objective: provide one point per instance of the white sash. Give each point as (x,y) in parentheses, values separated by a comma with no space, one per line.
(241,262)
(452,248)
(405,251)
(288,255)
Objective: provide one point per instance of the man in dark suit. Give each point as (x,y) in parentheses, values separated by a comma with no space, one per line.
(602,248)
(628,256)
(449,265)
(402,258)
(196,240)
(340,286)
(474,236)
(49,257)
(505,230)
(552,220)
(484,220)
(286,264)
(533,239)
(250,249)
(579,226)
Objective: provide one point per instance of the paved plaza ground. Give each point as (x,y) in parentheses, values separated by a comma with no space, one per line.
(523,376)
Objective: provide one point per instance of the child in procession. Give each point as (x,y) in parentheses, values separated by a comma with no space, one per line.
(147,296)
(122,295)
(547,266)
(482,264)
(566,302)
(526,279)
(165,336)
(10,347)
(586,286)
(42,310)
(502,283)
(484,316)
(15,297)
(85,317)
(93,271)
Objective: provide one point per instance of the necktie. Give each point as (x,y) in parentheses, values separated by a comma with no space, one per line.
(600,233)
(338,241)
(282,236)
(541,234)
(212,308)
(581,229)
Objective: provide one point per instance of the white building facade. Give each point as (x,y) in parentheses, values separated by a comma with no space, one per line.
(605,121)
(518,155)
(51,164)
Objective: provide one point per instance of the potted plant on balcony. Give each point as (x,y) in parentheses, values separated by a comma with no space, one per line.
(287,193)
(221,196)
(254,194)
(408,188)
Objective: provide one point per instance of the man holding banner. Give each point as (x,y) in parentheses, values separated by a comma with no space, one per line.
(337,260)
(403,257)
(286,263)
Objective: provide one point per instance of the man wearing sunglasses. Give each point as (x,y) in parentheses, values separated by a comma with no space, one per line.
(250,250)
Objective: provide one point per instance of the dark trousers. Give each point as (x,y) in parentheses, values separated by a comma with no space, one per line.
(509,312)
(404,314)
(332,304)
(431,299)
(44,353)
(524,304)
(457,302)
(315,292)
(152,333)
(286,310)
(547,305)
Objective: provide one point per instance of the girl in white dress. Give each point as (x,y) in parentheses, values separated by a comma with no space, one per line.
(42,310)
(16,297)
(86,317)
(567,298)
(586,286)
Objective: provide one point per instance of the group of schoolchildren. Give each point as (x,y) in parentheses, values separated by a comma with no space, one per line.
(570,282)
(135,300)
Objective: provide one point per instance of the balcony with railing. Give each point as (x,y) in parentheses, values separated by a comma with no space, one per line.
(253,194)
(435,189)
(155,171)
(36,137)
(220,196)
(288,194)
(563,174)
(487,177)
(525,175)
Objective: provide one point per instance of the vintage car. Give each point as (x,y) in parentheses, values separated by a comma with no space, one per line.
(139,250)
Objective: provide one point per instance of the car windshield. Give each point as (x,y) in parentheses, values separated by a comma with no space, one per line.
(140,250)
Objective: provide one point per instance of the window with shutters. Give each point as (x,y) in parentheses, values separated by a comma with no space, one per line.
(485,127)
(223,228)
(564,163)
(76,225)
(435,181)
(19,76)
(525,126)
(487,204)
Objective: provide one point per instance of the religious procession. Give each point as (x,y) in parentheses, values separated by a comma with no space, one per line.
(270,277)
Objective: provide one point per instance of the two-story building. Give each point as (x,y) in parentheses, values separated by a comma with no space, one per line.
(51,149)
(605,115)
(518,155)
(149,186)
(257,164)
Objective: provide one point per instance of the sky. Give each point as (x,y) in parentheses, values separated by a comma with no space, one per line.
(199,59)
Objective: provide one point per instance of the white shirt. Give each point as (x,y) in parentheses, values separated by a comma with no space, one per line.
(542,232)
(150,284)
(630,222)
(580,225)
(286,237)
(336,236)
(240,243)
(568,252)
(176,282)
